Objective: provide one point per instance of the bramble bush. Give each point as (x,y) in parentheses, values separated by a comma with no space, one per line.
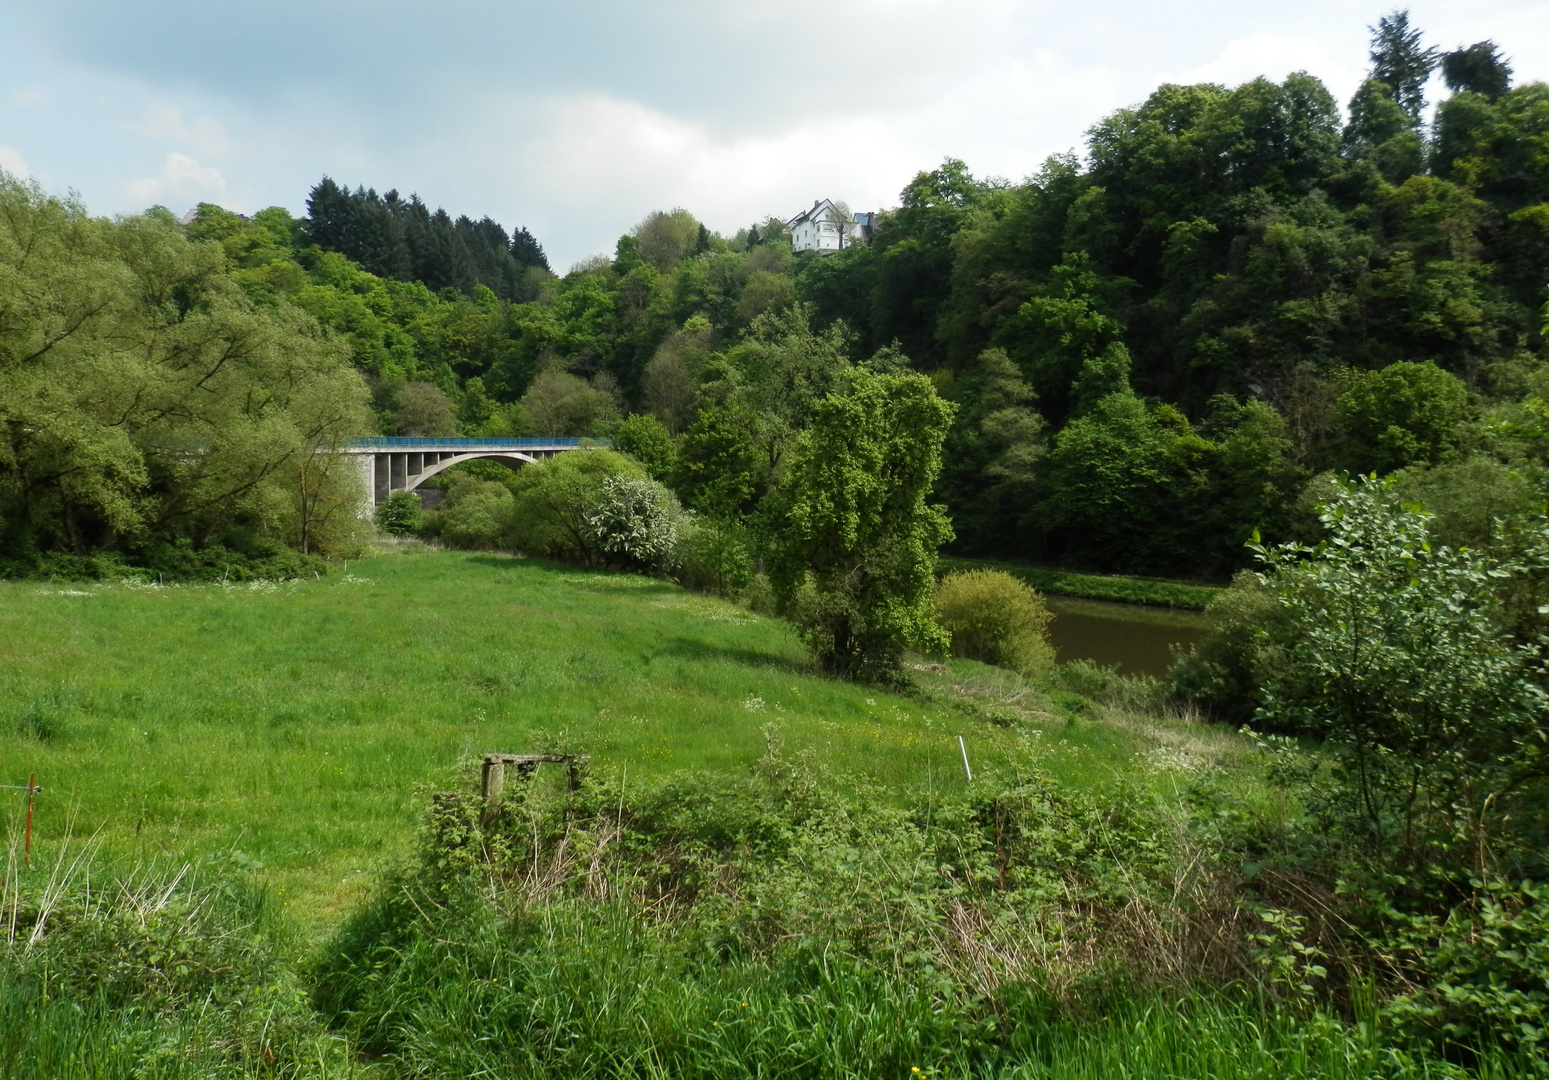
(718,925)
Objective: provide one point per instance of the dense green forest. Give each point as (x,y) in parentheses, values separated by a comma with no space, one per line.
(1153,347)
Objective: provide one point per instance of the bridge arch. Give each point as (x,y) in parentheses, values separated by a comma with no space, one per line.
(390,464)
(511,459)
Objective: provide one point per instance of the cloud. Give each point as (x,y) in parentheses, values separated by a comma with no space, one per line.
(182,179)
(576,119)
(13,163)
(1273,56)
(164,121)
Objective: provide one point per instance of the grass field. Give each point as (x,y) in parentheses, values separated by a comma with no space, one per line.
(300,724)
(282,739)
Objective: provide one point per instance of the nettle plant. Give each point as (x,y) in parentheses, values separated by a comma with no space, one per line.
(1396,654)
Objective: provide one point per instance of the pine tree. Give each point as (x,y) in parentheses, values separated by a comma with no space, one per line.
(526,250)
(1479,69)
(1400,64)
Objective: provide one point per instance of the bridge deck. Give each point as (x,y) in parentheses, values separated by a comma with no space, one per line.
(409,443)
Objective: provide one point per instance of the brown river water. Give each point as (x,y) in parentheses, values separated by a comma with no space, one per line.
(1138,639)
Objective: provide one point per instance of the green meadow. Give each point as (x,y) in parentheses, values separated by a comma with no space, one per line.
(299,725)
(759,880)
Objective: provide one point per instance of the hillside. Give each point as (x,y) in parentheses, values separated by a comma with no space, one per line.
(301,722)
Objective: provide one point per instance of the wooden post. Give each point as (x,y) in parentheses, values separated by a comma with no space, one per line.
(494,778)
(32,787)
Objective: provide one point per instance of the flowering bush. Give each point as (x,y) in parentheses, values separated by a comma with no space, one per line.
(634,523)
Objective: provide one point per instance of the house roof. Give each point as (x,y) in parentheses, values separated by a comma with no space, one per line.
(808,215)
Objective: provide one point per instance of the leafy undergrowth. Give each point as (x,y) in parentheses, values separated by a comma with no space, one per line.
(770,925)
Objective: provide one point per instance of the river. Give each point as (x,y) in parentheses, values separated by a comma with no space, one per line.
(1137,639)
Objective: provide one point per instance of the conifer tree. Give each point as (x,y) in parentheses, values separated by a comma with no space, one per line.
(1400,63)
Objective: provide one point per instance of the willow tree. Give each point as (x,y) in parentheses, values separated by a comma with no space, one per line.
(147,403)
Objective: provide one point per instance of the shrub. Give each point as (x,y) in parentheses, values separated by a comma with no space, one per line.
(634,523)
(553,499)
(1393,652)
(1223,671)
(476,514)
(401,515)
(713,556)
(995,618)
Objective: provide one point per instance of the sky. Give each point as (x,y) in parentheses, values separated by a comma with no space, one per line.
(576,118)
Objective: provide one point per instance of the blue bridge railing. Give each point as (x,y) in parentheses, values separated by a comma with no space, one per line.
(419,442)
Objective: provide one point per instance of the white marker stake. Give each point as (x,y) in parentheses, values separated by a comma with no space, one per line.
(964,748)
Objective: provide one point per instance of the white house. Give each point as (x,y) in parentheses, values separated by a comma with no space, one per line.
(826,229)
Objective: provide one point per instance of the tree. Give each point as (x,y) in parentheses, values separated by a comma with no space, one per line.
(665,239)
(1478,69)
(559,404)
(526,250)
(648,441)
(852,548)
(1110,475)
(842,219)
(1058,329)
(1380,130)
(1398,415)
(148,405)
(424,410)
(1401,64)
(721,469)
(994,453)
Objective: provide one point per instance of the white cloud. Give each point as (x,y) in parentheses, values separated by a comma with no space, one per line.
(575,120)
(182,179)
(165,122)
(1274,56)
(13,163)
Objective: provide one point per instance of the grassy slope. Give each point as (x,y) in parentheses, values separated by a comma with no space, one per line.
(297,722)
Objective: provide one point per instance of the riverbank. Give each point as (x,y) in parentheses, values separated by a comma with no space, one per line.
(1116,588)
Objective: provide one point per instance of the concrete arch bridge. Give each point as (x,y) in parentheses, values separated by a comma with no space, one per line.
(393,463)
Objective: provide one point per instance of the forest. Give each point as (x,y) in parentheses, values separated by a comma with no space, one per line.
(1152,347)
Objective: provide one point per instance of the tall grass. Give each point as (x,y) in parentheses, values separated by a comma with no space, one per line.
(770,929)
(149,971)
